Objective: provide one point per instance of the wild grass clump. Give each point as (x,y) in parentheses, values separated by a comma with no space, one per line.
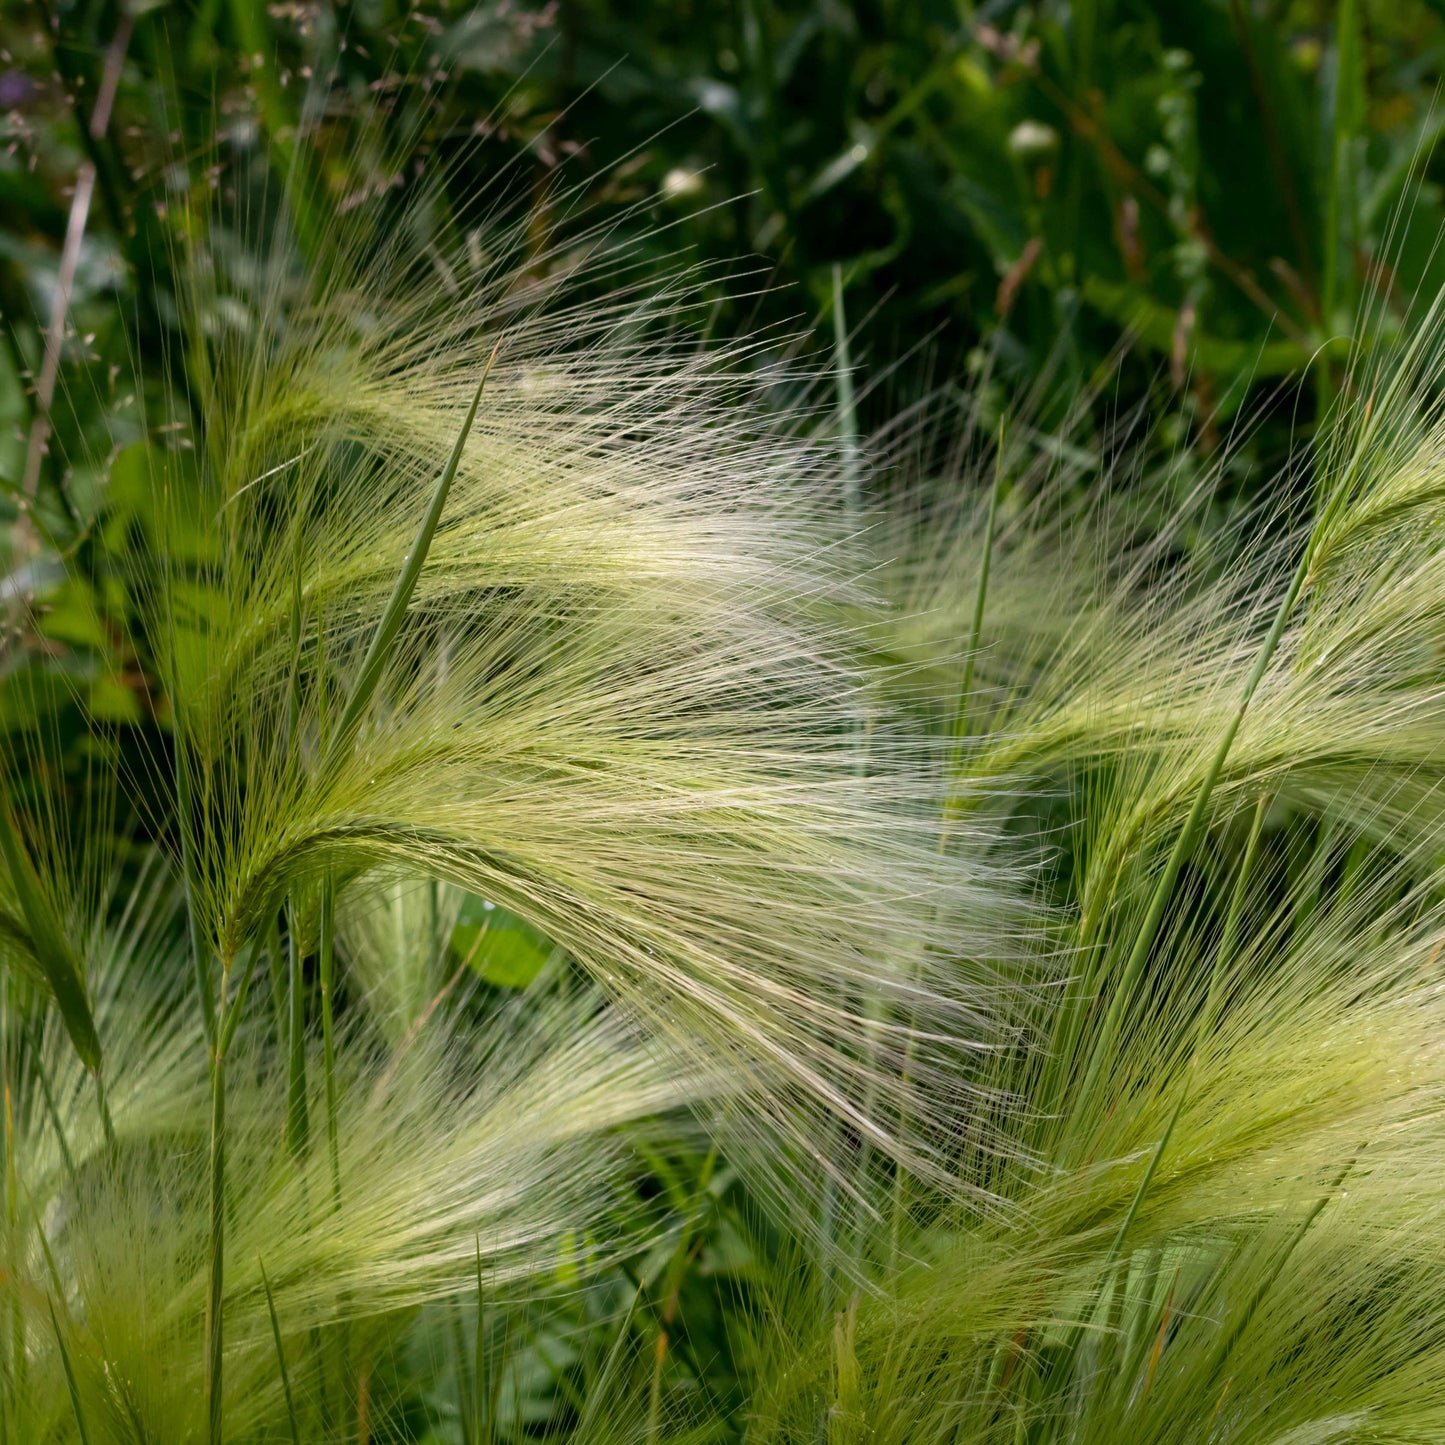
(574,876)
(540,604)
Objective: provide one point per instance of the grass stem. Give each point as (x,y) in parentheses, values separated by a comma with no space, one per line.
(960,725)
(1205,1024)
(297,1122)
(1189,835)
(228,1017)
(71,1384)
(328,1029)
(280,1355)
(217,1246)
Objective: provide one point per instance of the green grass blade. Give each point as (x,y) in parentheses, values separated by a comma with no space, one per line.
(200,961)
(53,952)
(70,1381)
(293,684)
(1189,834)
(1225,1348)
(391,620)
(328,1029)
(1117,1248)
(1206,1016)
(280,1354)
(980,601)
(1230,934)
(298,1127)
(466,1409)
(599,1385)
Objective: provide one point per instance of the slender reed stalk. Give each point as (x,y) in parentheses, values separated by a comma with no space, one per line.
(71,1385)
(215,1298)
(961,722)
(297,1120)
(200,955)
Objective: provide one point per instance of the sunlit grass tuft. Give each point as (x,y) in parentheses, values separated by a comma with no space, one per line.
(991,962)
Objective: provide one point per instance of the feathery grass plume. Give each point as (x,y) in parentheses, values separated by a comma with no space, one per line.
(1232,1235)
(617,706)
(1160,638)
(1233,1238)
(498,1147)
(1276,1273)
(611,695)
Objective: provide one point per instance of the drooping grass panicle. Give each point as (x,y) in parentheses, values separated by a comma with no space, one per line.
(620,702)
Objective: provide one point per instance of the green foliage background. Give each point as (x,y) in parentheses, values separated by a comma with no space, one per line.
(1216,177)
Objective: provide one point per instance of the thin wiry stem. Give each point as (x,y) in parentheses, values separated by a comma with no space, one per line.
(327,953)
(1206,1019)
(1189,835)
(280,1354)
(960,725)
(70,1382)
(200,959)
(297,1120)
(217,1246)
(228,1017)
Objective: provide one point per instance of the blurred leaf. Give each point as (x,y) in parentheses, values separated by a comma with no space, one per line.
(501,949)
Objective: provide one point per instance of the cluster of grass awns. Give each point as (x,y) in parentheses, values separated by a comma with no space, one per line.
(585,875)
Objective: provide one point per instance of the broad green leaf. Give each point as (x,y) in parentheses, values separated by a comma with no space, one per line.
(503,950)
